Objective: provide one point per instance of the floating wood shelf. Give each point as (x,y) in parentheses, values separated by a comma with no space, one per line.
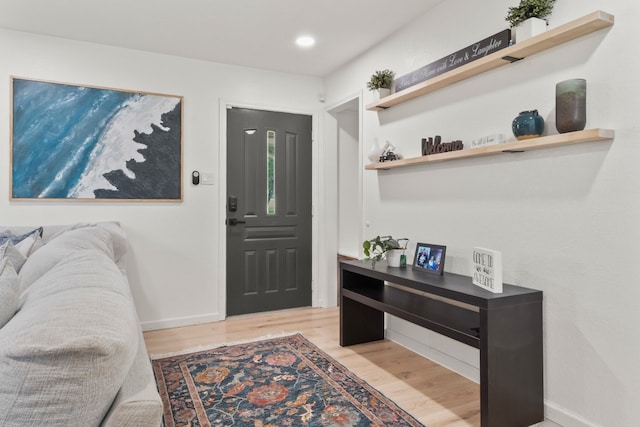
(551,38)
(589,135)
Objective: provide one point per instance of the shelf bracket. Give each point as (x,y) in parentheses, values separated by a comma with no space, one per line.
(511,59)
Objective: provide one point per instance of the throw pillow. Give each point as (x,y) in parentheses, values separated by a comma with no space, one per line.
(8,250)
(9,291)
(30,244)
(26,243)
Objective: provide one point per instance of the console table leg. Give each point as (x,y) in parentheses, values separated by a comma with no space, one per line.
(511,372)
(359,323)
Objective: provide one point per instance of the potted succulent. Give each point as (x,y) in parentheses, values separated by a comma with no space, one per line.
(528,18)
(381,81)
(382,247)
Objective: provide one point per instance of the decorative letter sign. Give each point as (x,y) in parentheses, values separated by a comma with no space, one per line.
(471,53)
(487,269)
(431,146)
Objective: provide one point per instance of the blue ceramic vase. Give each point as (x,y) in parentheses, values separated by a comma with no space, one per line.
(527,125)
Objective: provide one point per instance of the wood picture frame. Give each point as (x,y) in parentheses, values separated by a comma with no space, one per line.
(80,142)
(429,258)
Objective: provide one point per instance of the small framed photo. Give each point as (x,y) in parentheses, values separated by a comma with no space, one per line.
(429,258)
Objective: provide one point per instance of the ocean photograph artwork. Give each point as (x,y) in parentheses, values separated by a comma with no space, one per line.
(79,142)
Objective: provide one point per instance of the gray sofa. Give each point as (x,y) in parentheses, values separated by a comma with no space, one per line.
(73,353)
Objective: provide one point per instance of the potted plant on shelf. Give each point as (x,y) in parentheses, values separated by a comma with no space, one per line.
(381,81)
(528,18)
(382,247)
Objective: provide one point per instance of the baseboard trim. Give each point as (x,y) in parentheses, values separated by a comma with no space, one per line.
(177,322)
(564,417)
(458,366)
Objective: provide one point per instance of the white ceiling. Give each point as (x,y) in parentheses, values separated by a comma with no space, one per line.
(253,33)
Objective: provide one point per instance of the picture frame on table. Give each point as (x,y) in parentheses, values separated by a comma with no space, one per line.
(429,258)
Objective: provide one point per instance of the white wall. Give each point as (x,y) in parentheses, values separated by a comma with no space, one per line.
(175,261)
(566,219)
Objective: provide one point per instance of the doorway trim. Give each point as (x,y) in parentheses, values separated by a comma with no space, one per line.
(317,163)
(331,122)
(330,206)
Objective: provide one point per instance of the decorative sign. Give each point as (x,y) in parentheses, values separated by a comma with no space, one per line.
(431,146)
(487,269)
(471,53)
(484,141)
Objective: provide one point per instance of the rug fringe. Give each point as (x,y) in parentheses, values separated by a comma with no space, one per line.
(156,356)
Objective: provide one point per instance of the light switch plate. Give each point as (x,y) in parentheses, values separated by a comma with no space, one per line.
(206,178)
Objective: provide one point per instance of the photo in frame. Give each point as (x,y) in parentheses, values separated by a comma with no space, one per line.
(429,258)
(81,142)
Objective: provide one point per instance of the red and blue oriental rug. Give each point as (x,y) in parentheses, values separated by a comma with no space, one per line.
(276,382)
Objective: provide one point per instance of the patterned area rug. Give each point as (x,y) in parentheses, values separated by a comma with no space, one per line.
(277,382)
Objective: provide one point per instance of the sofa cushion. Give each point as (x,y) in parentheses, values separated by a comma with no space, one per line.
(8,250)
(9,291)
(60,246)
(66,352)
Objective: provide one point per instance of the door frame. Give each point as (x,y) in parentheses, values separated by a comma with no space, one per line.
(332,125)
(329,272)
(317,300)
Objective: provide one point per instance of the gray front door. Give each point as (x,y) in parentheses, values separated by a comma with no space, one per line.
(268,211)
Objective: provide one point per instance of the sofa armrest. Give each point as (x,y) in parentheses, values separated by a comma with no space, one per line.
(138,403)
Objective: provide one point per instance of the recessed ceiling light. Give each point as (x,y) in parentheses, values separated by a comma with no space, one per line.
(305,41)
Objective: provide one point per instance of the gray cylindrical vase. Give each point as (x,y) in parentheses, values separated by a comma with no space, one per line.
(571,105)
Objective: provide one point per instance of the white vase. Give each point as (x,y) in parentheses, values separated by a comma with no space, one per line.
(383,92)
(375,152)
(529,28)
(393,257)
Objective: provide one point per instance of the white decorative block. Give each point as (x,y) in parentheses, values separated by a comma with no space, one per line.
(487,269)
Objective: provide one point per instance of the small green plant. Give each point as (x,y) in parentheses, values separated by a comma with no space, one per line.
(529,9)
(381,79)
(375,249)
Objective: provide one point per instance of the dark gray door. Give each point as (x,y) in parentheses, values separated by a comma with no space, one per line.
(268,211)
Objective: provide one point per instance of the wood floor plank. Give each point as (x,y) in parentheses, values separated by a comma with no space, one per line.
(436,396)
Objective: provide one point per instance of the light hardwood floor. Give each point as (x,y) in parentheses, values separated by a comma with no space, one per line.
(429,392)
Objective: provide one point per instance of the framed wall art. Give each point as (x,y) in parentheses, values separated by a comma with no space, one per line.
(429,258)
(73,142)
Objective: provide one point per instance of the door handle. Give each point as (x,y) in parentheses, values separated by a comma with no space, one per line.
(233,221)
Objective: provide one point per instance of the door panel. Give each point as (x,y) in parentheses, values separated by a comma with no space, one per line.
(269,233)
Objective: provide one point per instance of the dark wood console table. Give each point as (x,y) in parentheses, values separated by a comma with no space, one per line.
(506,328)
